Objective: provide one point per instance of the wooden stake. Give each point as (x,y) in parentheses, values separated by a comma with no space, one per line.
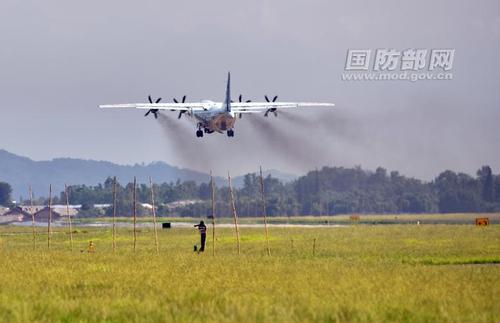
(49,219)
(314,247)
(114,214)
(212,184)
(69,217)
(135,214)
(32,217)
(235,217)
(264,211)
(154,215)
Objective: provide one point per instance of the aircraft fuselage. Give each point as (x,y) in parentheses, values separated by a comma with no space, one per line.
(215,118)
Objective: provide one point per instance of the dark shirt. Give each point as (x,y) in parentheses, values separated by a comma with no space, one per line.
(202,228)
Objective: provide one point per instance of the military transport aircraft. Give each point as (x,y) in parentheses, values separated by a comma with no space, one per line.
(217,116)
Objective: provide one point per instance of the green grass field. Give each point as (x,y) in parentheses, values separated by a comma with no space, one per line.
(426,273)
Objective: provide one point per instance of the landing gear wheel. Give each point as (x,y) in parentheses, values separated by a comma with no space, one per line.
(199,133)
(230,133)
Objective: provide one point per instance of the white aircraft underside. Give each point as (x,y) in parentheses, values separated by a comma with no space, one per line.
(217,116)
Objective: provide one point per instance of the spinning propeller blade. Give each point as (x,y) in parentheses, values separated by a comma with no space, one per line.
(273,110)
(153,111)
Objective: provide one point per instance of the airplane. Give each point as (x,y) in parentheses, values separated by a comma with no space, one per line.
(216,117)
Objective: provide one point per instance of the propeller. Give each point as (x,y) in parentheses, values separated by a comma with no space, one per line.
(153,111)
(182,111)
(240,99)
(273,110)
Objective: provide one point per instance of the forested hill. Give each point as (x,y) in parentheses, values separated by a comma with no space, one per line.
(328,191)
(348,190)
(20,172)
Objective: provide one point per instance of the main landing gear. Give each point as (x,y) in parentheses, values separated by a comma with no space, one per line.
(199,132)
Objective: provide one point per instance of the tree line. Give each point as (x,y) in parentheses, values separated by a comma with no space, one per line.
(326,191)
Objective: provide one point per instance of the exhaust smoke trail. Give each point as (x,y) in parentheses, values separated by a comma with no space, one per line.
(299,141)
(282,140)
(186,149)
(311,140)
(293,118)
(339,125)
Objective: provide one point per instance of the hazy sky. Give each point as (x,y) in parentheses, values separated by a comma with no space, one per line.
(60,59)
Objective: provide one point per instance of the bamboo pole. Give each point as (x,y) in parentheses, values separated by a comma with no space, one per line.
(135,213)
(235,216)
(264,211)
(32,211)
(69,217)
(114,214)
(154,215)
(212,184)
(318,192)
(49,218)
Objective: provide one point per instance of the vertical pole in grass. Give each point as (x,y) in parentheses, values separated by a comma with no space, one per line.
(235,217)
(69,217)
(264,211)
(212,184)
(114,214)
(135,213)
(32,211)
(314,247)
(154,215)
(49,218)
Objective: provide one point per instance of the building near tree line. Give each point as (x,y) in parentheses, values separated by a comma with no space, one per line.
(16,214)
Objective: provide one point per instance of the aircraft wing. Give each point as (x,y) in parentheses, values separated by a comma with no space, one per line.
(255,107)
(196,106)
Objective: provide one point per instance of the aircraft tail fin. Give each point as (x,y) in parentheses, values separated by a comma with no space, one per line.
(227,101)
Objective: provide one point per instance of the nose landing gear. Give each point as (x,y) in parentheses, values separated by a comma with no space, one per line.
(230,133)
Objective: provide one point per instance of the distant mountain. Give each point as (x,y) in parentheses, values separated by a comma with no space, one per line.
(20,172)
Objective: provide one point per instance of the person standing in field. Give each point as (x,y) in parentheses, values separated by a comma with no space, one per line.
(203,233)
